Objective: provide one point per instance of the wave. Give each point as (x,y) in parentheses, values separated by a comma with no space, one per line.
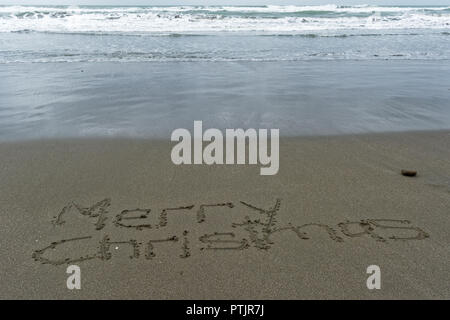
(194,19)
(265,34)
(248,9)
(138,58)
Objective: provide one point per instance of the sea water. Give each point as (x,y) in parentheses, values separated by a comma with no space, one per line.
(145,71)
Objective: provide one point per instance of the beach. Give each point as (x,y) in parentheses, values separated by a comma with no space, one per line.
(91,95)
(332,186)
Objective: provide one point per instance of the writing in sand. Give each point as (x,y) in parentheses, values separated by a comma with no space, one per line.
(258,230)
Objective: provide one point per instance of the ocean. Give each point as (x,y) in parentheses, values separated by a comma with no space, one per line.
(222,33)
(70,71)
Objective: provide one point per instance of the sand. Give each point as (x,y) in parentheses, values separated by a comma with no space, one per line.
(309,232)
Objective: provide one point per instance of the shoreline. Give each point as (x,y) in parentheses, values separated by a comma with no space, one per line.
(151,100)
(344,195)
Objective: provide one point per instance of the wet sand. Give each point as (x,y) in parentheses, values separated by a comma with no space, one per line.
(150,100)
(141,227)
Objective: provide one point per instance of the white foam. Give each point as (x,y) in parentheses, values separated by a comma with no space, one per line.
(209,19)
(255,9)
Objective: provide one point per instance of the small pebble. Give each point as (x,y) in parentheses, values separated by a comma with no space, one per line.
(409,173)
